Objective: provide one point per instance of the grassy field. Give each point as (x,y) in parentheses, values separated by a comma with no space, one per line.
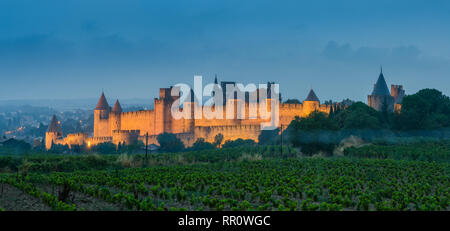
(371,177)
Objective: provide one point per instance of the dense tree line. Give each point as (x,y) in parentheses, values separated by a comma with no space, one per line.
(422,112)
(427,109)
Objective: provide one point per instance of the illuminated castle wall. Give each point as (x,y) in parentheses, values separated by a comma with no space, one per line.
(113,125)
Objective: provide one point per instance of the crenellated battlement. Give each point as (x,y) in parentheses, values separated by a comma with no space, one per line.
(125,136)
(229,127)
(137,113)
(127,132)
(291,106)
(77,135)
(393,86)
(100,139)
(113,125)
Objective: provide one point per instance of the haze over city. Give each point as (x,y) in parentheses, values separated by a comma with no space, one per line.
(74,49)
(173,107)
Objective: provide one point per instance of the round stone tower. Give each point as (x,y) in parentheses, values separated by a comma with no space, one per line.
(311,103)
(101,118)
(53,133)
(115,117)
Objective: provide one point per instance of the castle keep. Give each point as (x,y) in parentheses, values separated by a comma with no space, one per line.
(113,125)
(381,99)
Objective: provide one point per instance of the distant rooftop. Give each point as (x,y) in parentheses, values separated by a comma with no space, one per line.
(102,103)
(117,108)
(312,96)
(380,88)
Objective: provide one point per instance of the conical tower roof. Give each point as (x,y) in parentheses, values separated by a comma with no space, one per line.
(380,87)
(117,108)
(102,103)
(54,125)
(312,96)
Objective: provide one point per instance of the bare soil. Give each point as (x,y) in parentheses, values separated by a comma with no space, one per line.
(14,199)
(81,200)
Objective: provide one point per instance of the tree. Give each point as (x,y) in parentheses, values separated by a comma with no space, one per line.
(238,143)
(337,110)
(427,109)
(130,148)
(59,149)
(104,148)
(385,113)
(331,115)
(168,142)
(201,144)
(359,116)
(13,146)
(269,136)
(218,140)
(328,102)
(315,133)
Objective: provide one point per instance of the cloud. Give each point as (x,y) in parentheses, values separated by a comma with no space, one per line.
(346,52)
(39,48)
(404,55)
(34,44)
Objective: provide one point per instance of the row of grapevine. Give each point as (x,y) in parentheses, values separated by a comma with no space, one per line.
(271,184)
(30,189)
(427,151)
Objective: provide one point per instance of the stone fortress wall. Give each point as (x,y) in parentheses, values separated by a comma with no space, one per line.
(113,125)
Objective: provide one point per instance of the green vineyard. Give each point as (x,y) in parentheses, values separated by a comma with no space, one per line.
(424,151)
(257,178)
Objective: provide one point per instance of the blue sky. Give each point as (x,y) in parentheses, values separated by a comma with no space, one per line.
(75,48)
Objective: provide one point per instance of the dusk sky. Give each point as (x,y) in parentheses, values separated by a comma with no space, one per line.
(68,49)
